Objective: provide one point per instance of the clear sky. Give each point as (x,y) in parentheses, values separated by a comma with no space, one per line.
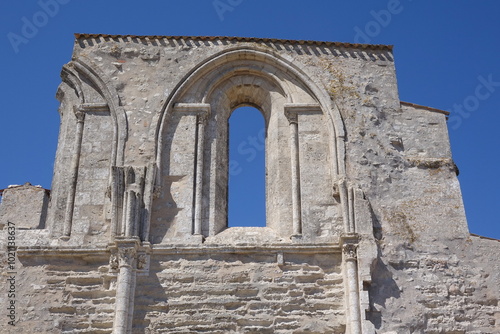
(446,55)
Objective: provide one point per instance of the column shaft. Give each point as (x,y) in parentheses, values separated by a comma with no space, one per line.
(351,209)
(199,175)
(353,296)
(344,202)
(123,292)
(125,289)
(75,162)
(294,150)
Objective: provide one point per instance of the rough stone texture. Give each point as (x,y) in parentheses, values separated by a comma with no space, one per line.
(365,226)
(63,295)
(25,206)
(247,293)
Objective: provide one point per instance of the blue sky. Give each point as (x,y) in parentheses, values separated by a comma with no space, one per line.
(446,55)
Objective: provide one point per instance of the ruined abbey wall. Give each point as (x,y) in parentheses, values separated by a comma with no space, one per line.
(365,225)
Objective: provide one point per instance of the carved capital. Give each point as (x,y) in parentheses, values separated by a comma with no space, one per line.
(80,115)
(350,252)
(202,118)
(126,256)
(291,115)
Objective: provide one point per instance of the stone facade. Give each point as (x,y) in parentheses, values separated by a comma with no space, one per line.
(365,226)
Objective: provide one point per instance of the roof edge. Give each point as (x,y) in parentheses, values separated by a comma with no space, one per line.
(27,184)
(483,237)
(244,39)
(425,107)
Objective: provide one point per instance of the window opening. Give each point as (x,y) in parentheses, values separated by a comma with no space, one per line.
(247,169)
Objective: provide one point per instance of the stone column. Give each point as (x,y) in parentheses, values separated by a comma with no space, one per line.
(131,298)
(149,190)
(128,188)
(352,287)
(117,197)
(202,112)
(294,155)
(200,146)
(292,110)
(344,202)
(75,162)
(131,214)
(125,286)
(350,196)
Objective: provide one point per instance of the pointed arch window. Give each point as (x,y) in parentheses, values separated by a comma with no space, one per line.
(247,171)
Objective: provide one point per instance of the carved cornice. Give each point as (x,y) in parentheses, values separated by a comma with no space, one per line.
(327,248)
(293,109)
(183,40)
(201,108)
(94,107)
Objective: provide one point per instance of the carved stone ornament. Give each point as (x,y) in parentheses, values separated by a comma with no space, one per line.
(291,116)
(349,251)
(202,118)
(157,191)
(80,115)
(113,262)
(126,256)
(142,261)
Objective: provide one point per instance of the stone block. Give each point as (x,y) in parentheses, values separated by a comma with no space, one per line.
(24,206)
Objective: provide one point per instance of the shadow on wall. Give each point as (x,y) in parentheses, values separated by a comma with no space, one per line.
(383,286)
(150,296)
(167,210)
(164,209)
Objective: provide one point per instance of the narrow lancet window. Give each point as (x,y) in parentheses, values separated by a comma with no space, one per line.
(247,170)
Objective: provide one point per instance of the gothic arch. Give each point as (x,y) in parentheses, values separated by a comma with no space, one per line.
(198,75)
(208,95)
(86,95)
(104,87)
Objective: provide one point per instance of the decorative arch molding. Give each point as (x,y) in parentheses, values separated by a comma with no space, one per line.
(209,93)
(203,75)
(93,94)
(104,86)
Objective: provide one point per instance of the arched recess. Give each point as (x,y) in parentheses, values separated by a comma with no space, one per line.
(90,116)
(193,124)
(105,87)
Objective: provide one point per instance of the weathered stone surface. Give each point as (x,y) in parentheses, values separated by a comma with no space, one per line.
(25,206)
(365,226)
